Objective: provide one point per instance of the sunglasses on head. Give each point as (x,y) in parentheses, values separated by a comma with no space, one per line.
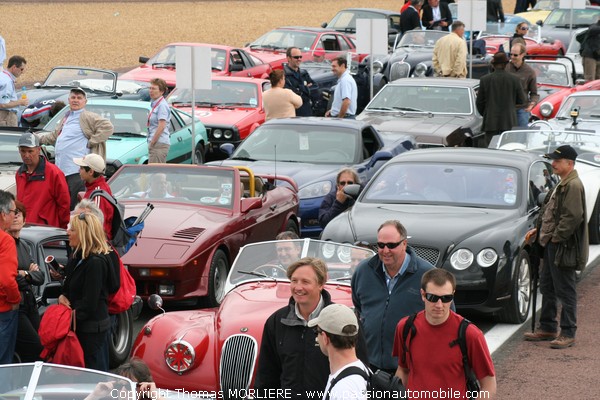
(434,298)
(390,246)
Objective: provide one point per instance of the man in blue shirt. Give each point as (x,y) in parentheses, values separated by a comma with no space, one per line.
(346,92)
(9,104)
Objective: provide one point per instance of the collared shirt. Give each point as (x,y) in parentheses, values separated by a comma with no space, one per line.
(313,314)
(159,111)
(391,281)
(437,15)
(8,92)
(344,89)
(528,80)
(71,143)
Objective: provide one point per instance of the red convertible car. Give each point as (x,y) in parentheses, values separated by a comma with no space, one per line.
(225,61)
(271,46)
(217,349)
(231,110)
(547,108)
(534,46)
(202,216)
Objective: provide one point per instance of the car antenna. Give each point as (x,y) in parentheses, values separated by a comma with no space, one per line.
(275,161)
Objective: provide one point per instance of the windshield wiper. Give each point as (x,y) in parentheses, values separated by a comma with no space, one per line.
(161,65)
(128,134)
(380,108)
(259,274)
(234,104)
(243,158)
(342,278)
(595,115)
(409,109)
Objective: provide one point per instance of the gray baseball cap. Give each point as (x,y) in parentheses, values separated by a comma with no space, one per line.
(28,139)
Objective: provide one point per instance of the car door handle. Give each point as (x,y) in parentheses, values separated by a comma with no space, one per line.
(179,139)
(273,207)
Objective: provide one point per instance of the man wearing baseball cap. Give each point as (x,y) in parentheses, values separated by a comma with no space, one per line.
(562,234)
(337,333)
(41,186)
(91,171)
(79,133)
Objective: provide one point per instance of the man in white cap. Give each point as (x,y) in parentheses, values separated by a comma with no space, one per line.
(337,333)
(41,186)
(91,170)
(79,133)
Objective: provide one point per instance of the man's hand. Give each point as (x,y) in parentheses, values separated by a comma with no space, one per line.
(531,235)
(328,113)
(62,299)
(33,267)
(341,196)
(23,102)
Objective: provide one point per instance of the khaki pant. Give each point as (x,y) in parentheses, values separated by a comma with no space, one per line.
(8,118)
(591,69)
(158,153)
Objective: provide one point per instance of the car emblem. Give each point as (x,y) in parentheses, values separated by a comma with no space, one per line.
(244,330)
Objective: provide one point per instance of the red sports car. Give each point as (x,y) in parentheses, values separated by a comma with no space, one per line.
(202,216)
(271,46)
(547,108)
(534,47)
(225,60)
(230,111)
(216,349)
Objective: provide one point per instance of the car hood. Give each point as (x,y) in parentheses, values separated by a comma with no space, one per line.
(120,147)
(146,74)
(274,58)
(302,173)
(221,116)
(7,177)
(419,220)
(414,55)
(546,90)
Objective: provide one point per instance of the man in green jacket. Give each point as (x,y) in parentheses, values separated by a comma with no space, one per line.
(561,231)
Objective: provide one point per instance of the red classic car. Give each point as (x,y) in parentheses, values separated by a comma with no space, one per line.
(534,46)
(231,110)
(202,217)
(216,349)
(271,46)
(225,60)
(547,108)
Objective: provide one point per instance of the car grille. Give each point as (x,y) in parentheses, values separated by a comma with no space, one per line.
(399,70)
(238,357)
(428,253)
(188,233)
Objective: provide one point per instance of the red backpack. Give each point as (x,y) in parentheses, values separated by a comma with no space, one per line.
(123,298)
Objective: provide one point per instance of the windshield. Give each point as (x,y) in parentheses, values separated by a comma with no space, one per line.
(222,93)
(204,186)
(588,106)
(508,27)
(269,260)
(53,381)
(167,58)
(435,99)
(346,20)
(546,5)
(456,184)
(555,74)
(9,150)
(282,39)
(94,80)
(583,18)
(546,140)
(420,38)
(126,120)
(317,144)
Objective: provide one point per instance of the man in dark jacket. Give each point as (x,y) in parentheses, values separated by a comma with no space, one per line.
(409,18)
(590,52)
(436,15)
(385,289)
(336,201)
(290,357)
(298,80)
(500,93)
(561,227)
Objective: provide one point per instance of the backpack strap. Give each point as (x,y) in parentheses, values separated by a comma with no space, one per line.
(348,372)
(472,383)
(409,327)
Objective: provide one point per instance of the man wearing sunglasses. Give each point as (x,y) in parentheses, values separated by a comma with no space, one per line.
(298,80)
(385,289)
(433,360)
(336,201)
(519,68)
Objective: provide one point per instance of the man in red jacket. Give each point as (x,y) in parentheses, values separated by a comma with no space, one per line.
(91,170)
(41,186)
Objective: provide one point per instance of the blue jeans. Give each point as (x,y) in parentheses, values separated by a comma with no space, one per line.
(8,335)
(523,117)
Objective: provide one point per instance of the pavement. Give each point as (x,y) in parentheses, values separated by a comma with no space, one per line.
(533,370)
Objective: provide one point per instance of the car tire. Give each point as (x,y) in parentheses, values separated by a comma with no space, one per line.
(292,226)
(199,153)
(121,338)
(517,309)
(594,224)
(219,267)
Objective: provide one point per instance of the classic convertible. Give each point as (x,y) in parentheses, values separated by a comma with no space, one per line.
(466,210)
(202,216)
(217,349)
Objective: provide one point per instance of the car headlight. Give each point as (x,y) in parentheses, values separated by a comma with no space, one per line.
(377,66)
(546,109)
(487,257)
(180,356)
(317,189)
(217,133)
(228,134)
(420,70)
(461,259)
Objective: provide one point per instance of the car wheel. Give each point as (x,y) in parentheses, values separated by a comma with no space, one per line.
(199,153)
(292,226)
(121,338)
(219,267)
(594,225)
(517,309)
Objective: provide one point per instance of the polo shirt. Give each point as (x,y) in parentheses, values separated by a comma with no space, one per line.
(71,143)
(344,89)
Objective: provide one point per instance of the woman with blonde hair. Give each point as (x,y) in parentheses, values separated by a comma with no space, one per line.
(85,289)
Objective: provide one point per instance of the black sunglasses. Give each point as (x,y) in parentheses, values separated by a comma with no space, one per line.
(524,28)
(390,246)
(344,183)
(297,57)
(514,55)
(434,298)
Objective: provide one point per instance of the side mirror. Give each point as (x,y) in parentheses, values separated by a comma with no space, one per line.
(236,68)
(324,25)
(227,148)
(252,203)
(539,22)
(37,85)
(143,60)
(112,166)
(352,190)
(379,156)
(155,302)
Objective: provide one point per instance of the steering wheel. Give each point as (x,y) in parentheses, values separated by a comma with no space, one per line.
(271,270)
